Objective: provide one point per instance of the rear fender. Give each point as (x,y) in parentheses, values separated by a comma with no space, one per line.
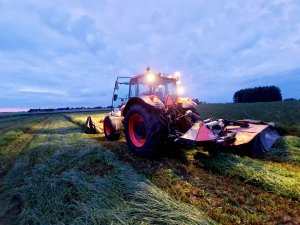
(147,100)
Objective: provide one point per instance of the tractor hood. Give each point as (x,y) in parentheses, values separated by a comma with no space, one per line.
(187,103)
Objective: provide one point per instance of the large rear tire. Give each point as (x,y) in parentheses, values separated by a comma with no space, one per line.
(145,130)
(111,129)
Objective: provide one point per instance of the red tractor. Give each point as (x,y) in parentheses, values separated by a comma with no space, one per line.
(149,110)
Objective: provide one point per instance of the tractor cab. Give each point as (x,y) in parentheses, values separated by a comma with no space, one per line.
(156,85)
(159,85)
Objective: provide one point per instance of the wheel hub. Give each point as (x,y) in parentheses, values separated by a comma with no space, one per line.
(137,130)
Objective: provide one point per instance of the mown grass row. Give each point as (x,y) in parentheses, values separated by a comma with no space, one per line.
(278,170)
(276,178)
(282,178)
(229,198)
(60,137)
(19,122)
(15,136)
(285,150)
(64,177)
(13,127)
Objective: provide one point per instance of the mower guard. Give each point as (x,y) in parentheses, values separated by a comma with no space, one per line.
(256,136)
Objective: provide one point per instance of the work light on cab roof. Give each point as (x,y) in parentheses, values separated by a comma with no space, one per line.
(149,109)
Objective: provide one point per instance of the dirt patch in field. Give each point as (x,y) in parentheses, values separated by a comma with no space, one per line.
(97,168)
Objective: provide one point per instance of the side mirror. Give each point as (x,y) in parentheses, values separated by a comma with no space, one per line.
(115,97)
(116,85)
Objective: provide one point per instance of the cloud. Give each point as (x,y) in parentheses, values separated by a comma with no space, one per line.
(76,50)
(38,90)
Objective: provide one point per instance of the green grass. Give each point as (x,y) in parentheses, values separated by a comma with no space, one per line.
(286,150)
(64,177)
(9,136)
(276,172)
(281,178)
(286,115)
(18,122)
(53,172)
(275,178)
(15,134)
(228,199)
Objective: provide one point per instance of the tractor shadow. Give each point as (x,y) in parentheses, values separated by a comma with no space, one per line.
(168,156)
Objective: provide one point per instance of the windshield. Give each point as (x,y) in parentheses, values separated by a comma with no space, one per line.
(161,87)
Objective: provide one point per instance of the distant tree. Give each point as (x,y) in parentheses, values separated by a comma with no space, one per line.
(290,100)
(258,94)
(196,100)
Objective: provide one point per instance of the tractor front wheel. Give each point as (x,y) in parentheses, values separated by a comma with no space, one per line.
(145,130)
(110,129)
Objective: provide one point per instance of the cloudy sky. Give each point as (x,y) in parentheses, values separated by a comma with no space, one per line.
(68,53)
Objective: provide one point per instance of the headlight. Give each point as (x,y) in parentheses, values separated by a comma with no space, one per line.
(180,90)
(150,77)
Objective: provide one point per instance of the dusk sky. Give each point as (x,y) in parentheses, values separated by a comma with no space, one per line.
(68,53)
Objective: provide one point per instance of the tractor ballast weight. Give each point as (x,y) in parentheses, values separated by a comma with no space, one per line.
(151,113)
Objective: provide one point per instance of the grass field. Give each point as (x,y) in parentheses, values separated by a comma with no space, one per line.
(53,172)
(286,115)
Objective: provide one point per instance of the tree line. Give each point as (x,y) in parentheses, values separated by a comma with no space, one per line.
(258,94)
(64,109)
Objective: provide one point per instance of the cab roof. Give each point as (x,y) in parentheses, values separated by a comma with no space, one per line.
(162,75)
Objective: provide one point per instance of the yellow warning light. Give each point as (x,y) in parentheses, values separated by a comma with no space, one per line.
(177,75)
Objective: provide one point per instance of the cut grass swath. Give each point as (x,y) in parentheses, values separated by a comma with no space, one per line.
(74,181)
(274,178)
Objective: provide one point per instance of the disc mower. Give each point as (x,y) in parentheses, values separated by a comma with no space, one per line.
(149,110)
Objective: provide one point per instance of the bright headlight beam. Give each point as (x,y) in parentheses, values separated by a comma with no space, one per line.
(180,90)
(150,77)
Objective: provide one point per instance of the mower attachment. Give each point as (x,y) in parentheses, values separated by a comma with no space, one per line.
(93,127)
(257,135)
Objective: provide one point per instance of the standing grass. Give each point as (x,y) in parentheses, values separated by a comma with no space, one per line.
(286,115)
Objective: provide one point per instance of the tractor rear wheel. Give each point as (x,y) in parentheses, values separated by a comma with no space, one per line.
(145,130)
(110,130)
